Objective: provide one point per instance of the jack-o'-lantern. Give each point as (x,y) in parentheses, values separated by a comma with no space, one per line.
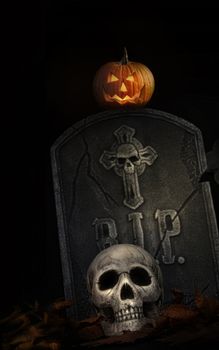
(123,83)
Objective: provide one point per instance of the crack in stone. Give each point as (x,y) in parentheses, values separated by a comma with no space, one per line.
(202,291)
(192,194)
(107,196)
(74,183)
(83,301)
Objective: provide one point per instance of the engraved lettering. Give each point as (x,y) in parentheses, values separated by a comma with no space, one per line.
(169,226)
(137,228)
(106,232)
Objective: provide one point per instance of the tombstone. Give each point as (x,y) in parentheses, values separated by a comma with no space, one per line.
(133,176)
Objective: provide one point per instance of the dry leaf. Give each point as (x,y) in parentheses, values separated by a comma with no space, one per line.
(25,346)
(61,305)
(89,321)
(35,332)
(208,307)
(50,345)
(179,312)
(91,333)
(177,296)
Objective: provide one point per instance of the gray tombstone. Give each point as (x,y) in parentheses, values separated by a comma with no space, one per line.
(133,176)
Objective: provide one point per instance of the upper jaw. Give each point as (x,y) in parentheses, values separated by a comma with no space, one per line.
(130,313)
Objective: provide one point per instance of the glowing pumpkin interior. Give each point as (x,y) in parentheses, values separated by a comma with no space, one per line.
(123,86)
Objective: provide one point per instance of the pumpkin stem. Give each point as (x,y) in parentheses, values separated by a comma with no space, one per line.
(124,59)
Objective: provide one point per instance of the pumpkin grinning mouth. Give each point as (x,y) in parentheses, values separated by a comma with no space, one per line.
(119,99)
(126,98)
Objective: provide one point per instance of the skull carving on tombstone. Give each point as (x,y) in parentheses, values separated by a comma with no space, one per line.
(128,159)
(125,285)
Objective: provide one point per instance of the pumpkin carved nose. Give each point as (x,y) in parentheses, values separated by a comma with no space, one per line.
(123,88)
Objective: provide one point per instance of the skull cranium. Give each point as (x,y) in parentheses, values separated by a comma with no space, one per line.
(125,284)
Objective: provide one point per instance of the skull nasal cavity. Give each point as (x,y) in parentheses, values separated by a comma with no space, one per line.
(126,292)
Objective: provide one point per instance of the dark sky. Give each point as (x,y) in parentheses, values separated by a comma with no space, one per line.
(53,51)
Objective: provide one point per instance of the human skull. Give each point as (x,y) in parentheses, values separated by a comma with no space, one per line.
(125,285)
(127,158)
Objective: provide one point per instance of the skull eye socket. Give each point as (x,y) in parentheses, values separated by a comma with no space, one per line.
(108,280)
(121,161)
(133,159)
(140,276)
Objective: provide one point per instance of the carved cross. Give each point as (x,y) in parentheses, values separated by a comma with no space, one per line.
(129,158)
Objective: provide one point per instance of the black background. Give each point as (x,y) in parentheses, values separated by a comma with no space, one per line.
(53,51)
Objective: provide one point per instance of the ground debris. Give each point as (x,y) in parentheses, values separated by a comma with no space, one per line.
(50,328)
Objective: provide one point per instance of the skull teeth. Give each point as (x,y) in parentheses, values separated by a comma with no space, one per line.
(129,314)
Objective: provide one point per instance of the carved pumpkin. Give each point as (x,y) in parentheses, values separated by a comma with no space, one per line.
(123,83)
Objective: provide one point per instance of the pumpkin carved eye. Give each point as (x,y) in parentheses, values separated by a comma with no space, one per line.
(112,78)
(130,78)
